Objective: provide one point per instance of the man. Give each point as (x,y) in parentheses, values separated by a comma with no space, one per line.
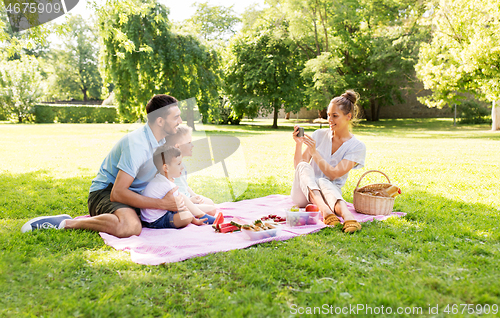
(115,197)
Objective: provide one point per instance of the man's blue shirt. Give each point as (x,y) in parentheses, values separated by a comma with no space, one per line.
(133,154)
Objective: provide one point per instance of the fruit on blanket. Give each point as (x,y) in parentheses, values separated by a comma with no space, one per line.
(228,227)
(294,209)
(312,208)
(297,218)
(273,217)
(236,224)
(293,220)
(313,218)
(303,219)
(219,219)
(225,227)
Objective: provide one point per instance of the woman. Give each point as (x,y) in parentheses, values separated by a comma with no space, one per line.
(334,152)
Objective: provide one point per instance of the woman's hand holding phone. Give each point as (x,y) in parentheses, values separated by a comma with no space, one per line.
(301,132)
(296,134)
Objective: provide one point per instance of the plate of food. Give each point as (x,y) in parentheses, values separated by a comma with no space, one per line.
(261,230)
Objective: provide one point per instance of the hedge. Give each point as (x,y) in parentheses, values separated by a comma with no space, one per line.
(45,113)
(472,112)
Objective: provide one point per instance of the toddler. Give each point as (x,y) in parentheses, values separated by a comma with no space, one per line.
(183,140)
(168,162)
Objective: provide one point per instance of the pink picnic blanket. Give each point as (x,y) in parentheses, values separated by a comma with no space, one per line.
(154,246)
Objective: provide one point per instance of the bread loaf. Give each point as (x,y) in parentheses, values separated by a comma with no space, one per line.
(393,191)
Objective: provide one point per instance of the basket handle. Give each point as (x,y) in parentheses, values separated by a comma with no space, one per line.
(369,171)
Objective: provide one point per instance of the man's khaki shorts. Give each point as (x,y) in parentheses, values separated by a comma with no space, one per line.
(99,202)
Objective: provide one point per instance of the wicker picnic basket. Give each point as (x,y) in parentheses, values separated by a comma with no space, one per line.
(367,203)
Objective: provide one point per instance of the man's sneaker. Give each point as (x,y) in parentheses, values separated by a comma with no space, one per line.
(46,222)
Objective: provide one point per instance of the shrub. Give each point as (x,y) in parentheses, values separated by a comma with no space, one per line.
(222,113)
(2,114)
(74,114)
(471,112)
(21,87)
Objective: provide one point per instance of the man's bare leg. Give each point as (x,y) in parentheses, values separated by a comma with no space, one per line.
(123,222)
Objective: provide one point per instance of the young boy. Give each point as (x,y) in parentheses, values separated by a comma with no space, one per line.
(182,140)
(168,162)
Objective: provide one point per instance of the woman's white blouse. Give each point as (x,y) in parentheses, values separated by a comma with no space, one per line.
(353,150)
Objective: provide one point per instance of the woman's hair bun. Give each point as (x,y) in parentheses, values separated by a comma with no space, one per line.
(351,95)
(346,102)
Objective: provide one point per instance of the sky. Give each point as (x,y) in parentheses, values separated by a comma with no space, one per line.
(179,9)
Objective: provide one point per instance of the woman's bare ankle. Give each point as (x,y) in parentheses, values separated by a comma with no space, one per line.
(325,210)
(343,211)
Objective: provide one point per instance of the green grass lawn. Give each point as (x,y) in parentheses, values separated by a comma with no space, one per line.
(445,251)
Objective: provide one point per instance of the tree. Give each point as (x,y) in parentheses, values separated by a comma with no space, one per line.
(83,48)
(463,55)
(62,76)
(214,22)
(142,57)
(213,26)
(324,79)
(365,45)
(249,17)
(263,73)
(20,86)
(75,67)
(13,43)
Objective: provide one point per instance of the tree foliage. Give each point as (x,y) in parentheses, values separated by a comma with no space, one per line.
(142,57)
(214,22)
(14,43)
(213,26)
(464,54)
(263,74)
(366,45)
(75,67)
(21,86)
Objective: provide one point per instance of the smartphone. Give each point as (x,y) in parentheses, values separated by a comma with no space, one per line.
(301,132)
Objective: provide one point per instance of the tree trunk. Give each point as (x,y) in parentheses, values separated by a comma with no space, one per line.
(373,109)
(84,91)
(495,115)
(378,111)
(190,116)
(20,118)
(322,113)
(323,22)
(318,51)
(275,119)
